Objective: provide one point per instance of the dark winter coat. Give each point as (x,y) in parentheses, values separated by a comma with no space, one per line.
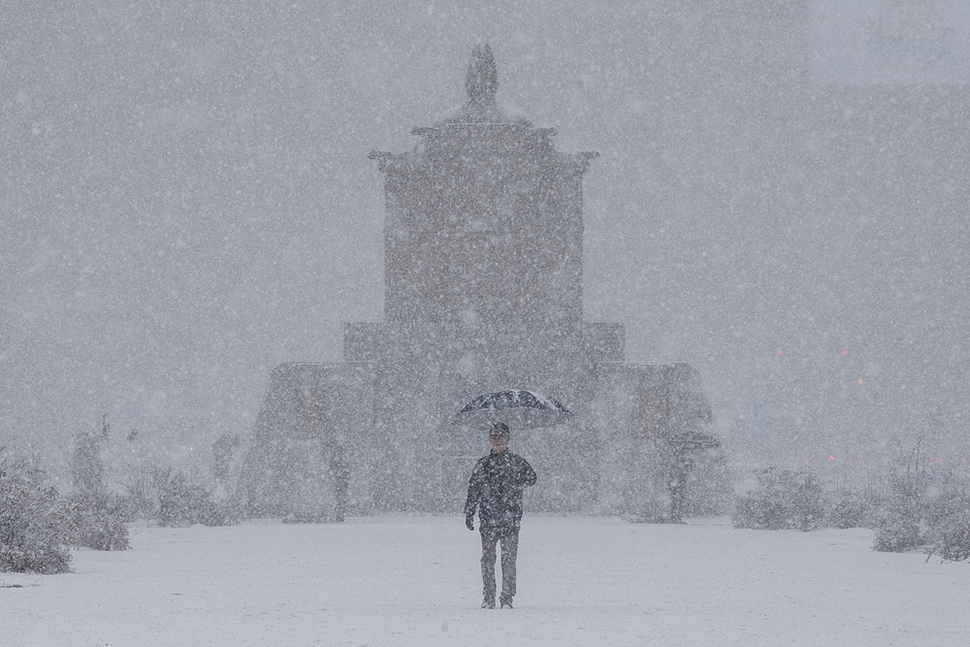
(495,488)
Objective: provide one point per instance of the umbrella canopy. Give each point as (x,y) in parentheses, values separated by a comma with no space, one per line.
(517,408)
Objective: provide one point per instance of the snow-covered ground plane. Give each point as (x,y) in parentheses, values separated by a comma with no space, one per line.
(403,581)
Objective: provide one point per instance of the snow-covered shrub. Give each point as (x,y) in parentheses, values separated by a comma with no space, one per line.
(101,524)
(931,511)
(948,518)
(182,503)
(86,463)
(37,526)
(170,498)
(781,500)
(952,541)
(927,506)
(142,491)
(849,509)
(900,522)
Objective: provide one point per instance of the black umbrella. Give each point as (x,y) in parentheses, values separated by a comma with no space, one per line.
(517,408)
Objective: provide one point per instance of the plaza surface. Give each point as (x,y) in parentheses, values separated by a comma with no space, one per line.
(416,581)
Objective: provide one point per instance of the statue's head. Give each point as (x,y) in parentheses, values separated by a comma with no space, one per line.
(481,82)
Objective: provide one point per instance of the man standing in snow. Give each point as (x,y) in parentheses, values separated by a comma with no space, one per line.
(495,488)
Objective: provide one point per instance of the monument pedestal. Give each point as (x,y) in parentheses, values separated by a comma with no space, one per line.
(483,292)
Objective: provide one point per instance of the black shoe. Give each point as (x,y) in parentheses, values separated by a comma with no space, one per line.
(488,604)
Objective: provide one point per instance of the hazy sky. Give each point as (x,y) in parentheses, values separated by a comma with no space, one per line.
(186,199)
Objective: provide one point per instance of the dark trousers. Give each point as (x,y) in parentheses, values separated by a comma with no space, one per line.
(509,537)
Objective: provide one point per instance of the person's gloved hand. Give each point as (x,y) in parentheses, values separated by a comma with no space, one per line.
(470,522)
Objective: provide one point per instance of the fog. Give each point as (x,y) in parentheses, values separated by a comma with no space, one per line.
(186,201)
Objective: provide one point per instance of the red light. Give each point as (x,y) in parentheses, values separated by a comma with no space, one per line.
(845,352)
(831,458)
(780,352)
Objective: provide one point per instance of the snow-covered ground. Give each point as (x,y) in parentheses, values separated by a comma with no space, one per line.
(415,581)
